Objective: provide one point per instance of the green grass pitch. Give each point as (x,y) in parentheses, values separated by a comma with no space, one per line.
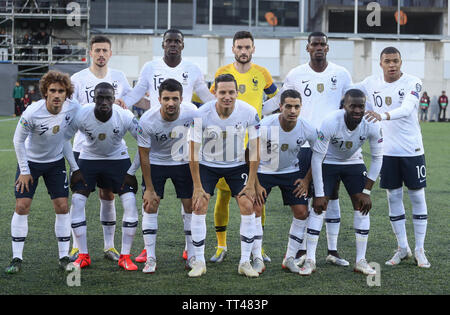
(40,274)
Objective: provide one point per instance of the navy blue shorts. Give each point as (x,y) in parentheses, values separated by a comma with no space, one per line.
(180,176)
(398,170)
(304,161)
(76,155)
(354,177)
(236,178)
(286,184)
(106,174)
(55,179)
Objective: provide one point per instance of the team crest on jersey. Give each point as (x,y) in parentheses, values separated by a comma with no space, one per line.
(102,136)
(172,134)
(284,147)
(388,100)
(333,82)
(241,88)
(55,129)
(348,144)
(255,83)
(115,84)
(401,93)
(320,87)
(185,78)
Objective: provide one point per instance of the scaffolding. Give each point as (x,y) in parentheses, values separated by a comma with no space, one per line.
(60,34)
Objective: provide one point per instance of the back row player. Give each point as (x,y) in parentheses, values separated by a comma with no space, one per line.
(322,84)
(84,83)
(171,66)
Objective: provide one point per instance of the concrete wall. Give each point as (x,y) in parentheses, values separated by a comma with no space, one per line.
(427,59)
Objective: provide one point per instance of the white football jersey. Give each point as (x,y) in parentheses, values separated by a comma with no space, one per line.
(279,149)
(403,136)
(155,72)
(84,83)
(321,91)
(167,140)
(42,133)
(223,140)
(104,139)
(343,146)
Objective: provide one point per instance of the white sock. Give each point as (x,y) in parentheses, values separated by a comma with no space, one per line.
(420,216)
(129,221)
(296,234)
(62,232)
(188,234)
(361,223)
(19,232)
(247,231)
(310,209)
(78,219)
(108,220)
(397,215)
(74,239)
(198,231)
(183,217)
(333,223)
(149,231)
(257,243)
(315,223)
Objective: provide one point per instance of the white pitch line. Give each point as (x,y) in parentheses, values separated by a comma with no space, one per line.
(8,119)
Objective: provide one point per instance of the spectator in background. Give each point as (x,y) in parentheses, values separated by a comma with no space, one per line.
(443,101)
(62,50)
(34,97)
(424,105)
(25,53)
(42,38)
(18,94)
(26,102)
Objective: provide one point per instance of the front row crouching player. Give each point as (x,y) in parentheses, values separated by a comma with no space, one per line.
(40,145)
(104,161)
(282,136)
(219,135)
(163,144)
(338,147)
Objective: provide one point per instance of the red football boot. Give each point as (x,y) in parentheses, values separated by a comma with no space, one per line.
(126,263)
(142,258)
